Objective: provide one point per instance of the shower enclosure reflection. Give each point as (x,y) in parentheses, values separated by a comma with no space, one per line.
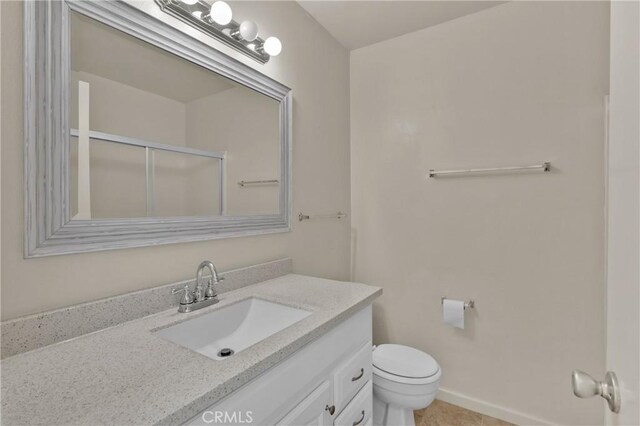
(154,135)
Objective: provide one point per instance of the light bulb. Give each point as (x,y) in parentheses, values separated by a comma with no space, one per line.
(248,30)
(197,14)
(221,13)
(272,46)
(190,2)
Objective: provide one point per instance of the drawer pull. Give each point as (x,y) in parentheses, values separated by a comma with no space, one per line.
(359,376)
(359,421)
(331,409)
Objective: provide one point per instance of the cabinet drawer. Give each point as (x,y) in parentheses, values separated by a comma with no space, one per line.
(359,410)
(351,376)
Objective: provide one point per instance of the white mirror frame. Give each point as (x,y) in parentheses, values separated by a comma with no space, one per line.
(49,230)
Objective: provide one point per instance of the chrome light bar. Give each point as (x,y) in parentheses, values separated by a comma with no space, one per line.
(197,15)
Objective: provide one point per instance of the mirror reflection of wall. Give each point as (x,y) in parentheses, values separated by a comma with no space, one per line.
(163,136)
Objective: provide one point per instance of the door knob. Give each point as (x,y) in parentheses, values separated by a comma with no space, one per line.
(585,386)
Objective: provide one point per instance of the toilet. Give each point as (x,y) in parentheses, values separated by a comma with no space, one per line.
(404,379)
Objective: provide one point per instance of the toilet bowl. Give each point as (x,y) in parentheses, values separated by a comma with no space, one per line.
(404,379)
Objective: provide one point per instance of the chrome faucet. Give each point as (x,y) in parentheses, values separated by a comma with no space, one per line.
(210,291)
(200,297)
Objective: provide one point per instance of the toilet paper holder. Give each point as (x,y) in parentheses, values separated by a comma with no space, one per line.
(467,305)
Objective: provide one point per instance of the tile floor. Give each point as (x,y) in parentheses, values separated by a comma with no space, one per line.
(443,414)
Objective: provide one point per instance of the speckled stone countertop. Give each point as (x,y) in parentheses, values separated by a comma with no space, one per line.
(127,375)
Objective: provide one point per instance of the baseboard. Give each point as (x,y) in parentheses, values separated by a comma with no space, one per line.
(489,409)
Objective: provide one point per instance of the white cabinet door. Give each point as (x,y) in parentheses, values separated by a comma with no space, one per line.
(313,410)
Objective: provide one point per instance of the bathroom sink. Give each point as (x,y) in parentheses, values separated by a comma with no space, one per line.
(223,332)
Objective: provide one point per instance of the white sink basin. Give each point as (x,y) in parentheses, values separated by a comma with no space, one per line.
(235,327)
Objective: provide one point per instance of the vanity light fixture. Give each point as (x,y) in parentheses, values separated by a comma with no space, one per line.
(217,20)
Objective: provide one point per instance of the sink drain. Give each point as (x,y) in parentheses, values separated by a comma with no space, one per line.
(225,352)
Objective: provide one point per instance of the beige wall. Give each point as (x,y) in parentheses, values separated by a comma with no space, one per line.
(251,140)
(125,110)
(319,78)
(118,172)
(516,84)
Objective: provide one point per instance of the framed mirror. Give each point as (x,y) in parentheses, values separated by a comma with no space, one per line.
(138,134)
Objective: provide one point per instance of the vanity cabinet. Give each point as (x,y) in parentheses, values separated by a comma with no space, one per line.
(312,411)
(327,382)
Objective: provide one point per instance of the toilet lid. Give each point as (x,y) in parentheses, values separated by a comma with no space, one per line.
(404,361)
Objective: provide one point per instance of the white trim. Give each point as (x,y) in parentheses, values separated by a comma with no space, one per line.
(489,409)
(623,213)
(84,153)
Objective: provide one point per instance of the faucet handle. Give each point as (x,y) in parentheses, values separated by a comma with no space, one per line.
(187,297)
(210,291)
(198,293)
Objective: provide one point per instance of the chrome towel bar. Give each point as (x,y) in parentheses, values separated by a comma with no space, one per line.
(257,182)
(546,166)
(338,215)
(467,305)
